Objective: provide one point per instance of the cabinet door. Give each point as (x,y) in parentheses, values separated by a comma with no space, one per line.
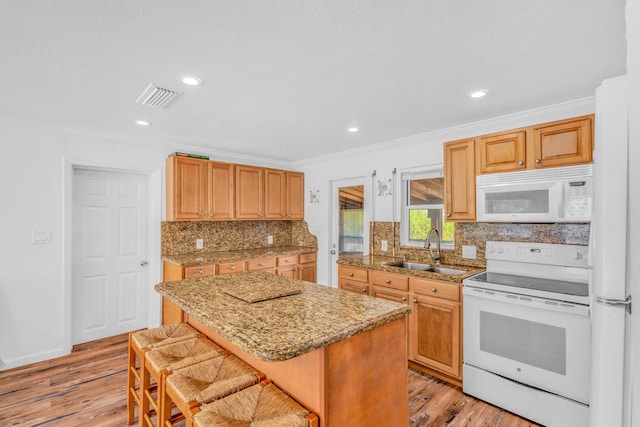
(503,152)
(460,180)
(295,195)
(275,204)
(220,191)
(249,192)
(434,338)
(564,143)
(288,271)
(308,272)
(186,188)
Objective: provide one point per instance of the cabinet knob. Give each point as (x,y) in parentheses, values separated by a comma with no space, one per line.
(350,274)
(415,300)
(521,163)
(286,261)
(201,213)
(233,267)
(261,265)
(282,214)
(537,160)
(404,298)
(301,268)
(288,215)
(364,290)
(434,290)
(387,281)
(448,214)
(295,269)
(201,271)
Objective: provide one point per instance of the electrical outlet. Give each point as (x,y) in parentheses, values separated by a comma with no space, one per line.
(270,240)
(384,245)
(199,243)
(469,252)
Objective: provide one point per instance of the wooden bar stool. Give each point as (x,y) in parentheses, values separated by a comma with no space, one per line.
(204,382)
(141,342)
(263,404)
(161,361)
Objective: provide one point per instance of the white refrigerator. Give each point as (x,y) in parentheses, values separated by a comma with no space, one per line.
(610,308)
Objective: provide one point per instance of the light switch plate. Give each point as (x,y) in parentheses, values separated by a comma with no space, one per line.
(384,245)
(269,240)
(39,237)
(469,252)
(199,243)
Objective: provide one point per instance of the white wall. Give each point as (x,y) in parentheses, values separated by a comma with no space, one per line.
(33,292)
(407,153)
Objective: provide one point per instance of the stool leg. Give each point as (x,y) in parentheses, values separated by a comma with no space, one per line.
(145,382)
(164,401)
(131,382)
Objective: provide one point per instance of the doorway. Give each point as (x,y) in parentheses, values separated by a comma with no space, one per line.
(109,253)
(349,221)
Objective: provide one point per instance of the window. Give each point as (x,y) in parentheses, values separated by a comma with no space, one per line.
(423,209)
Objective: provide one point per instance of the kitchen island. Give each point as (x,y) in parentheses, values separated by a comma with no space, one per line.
(342,355)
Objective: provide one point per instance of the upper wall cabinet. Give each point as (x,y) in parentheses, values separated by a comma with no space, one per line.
(199,189)
(561,143)
(205,190)
(460,180)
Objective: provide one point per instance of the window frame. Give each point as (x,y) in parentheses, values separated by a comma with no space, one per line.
(423,173)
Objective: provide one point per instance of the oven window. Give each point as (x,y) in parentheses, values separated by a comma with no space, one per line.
(536,344)
(510,202)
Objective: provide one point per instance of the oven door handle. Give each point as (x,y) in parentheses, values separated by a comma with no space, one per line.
(525,300)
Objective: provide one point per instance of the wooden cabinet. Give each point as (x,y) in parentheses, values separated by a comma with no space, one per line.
(501,152)
(249,192)
(563,143)
(231,267)
(262,264)
(283,194)
(199,271)
(199,189)
(307,267)
(353,279)
(460,180)
(435,334)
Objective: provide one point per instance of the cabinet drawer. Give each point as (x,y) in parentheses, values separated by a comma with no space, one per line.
(390,280)
(231,267)
(360,288)
(261,264)
(310,257)
(352,273)
(390,294)
(287,260)
(199,271)
(436,288)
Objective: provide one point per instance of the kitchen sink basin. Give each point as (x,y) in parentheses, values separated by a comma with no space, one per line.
(424,267)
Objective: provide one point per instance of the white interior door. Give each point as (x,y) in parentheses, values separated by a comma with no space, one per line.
(109,253)
(349,202)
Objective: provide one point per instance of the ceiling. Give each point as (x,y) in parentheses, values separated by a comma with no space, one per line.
(285,79)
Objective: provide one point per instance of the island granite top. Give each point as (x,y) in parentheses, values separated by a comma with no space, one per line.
(281,328)
(202,258)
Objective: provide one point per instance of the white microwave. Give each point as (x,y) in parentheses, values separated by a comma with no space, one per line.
(562,194)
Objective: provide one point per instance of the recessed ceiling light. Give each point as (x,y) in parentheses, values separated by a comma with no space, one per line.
(477,93)
(191,80)
(353,130)
(143,122)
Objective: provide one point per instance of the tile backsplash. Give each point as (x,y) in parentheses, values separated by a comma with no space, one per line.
(179,237)
(477,234)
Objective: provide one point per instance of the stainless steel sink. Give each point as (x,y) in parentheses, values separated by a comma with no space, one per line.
(424,267)
(445,270)
(410,265)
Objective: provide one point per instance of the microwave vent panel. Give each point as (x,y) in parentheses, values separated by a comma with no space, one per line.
(541,175)
(156,96)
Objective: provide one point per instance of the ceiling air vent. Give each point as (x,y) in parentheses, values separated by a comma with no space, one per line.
(156,96)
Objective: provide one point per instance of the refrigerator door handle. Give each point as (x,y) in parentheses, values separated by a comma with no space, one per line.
(607,301)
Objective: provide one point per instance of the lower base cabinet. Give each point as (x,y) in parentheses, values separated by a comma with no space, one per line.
(435,326)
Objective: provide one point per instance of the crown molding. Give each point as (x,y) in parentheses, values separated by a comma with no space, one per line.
(578,107)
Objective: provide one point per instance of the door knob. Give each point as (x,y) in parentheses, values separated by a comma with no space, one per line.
(144,263)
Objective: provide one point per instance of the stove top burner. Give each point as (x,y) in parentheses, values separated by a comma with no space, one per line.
(534,283)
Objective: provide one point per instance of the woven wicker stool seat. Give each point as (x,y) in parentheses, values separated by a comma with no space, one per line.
(204,382)
(263,405)
(141,342)
(162,360)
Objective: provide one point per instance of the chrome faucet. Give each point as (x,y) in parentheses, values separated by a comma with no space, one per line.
(427,245)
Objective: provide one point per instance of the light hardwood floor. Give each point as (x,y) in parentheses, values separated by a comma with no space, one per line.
(88,388)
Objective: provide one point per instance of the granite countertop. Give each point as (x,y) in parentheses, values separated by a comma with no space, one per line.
(284,327)
(375,262)
(201,258)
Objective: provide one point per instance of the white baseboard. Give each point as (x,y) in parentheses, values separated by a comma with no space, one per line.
(33,358)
